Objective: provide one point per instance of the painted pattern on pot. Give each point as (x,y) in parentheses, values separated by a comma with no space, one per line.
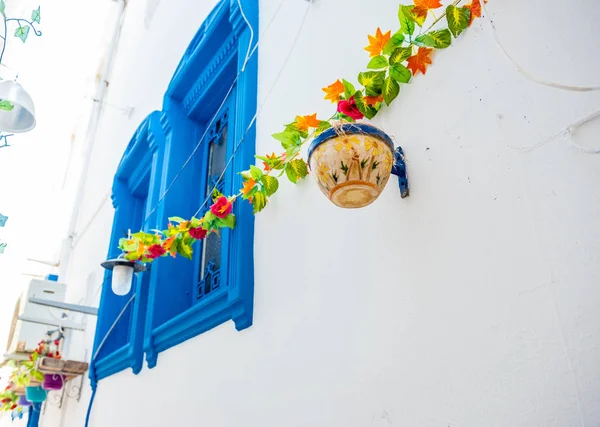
(352,163)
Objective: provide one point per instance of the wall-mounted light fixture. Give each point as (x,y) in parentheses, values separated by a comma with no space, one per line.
(122,276)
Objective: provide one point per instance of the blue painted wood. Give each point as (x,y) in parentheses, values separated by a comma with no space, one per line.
(209,67)
(135,189)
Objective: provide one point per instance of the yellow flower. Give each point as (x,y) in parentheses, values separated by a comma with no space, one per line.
(320,151)
(322,172)
(389,161)
(346,143)
(373,144)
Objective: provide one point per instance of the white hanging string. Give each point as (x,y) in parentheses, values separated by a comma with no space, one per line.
(567,133)
(260,107)
(208,127)
(251,35)
(526,73)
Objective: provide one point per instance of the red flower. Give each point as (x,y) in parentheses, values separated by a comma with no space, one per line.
(222,207)
(198,233)
(50,355)
(56,342)
(350,109)
(5,400)
(156,251)
(14,406)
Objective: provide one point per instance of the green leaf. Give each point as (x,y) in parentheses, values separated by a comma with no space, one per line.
(458,19)
(271,184)
(348,88)
(229,221)
(259,201)
(400,73)
(401,54)
(407,23)
(292,151)
(440,39)
(372,81)
(394,42)
(2,8)
(287,138)
(291,173)
(300,167)
(37,375)
(22,33)
(185,249)
(324,125)
(378,63)
(256,173)
(6,105)
(176,219)
(35,15)
(391,89)
(363,107)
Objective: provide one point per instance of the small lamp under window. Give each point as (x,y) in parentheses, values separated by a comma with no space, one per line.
(122,276)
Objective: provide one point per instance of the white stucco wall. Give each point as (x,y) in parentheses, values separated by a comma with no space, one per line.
(471,303)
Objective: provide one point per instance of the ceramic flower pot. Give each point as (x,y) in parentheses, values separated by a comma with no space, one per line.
(23,401)
(52,382)
(352,163)
(35,394)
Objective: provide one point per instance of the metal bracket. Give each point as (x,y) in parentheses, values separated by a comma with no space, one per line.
(65,324)
(399,169)
(65,306)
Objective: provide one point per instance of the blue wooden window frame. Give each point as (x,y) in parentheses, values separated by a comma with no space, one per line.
(135,191)
(211,65)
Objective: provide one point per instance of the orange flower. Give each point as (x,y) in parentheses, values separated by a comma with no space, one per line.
(248,186)
(305,122)
(372,100)
(168,243)
(333,91)
(377,42)
(475,8)
(419,61)
(266,165)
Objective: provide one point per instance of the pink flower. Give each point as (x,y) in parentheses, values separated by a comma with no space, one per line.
(350,109)
(222,207)
(198,233)
(156,251)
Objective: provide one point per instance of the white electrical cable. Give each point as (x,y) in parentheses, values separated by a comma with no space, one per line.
(525,73)
(566,132)
(251,35)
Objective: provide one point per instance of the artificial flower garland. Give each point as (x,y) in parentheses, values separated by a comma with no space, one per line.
(395,59)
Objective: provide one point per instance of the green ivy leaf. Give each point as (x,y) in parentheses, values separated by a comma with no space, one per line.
(400,73)
(292,151)
(401,54)
(324,125)
(394,42)
(22,33)
(458,19)
(348,88)
(288,138)
(2,8)
(37,375)
(6,105)
(176,219)
(407,23)
(291,173)
(259,201)
(35,15)
(372,81)
(368,110)
(256,173)
(300,167)
(391,89)
(271,184)
(440,39)
(378,63)
(229,221)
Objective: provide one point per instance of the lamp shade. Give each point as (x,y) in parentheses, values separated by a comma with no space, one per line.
(122,274)
(22,117)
